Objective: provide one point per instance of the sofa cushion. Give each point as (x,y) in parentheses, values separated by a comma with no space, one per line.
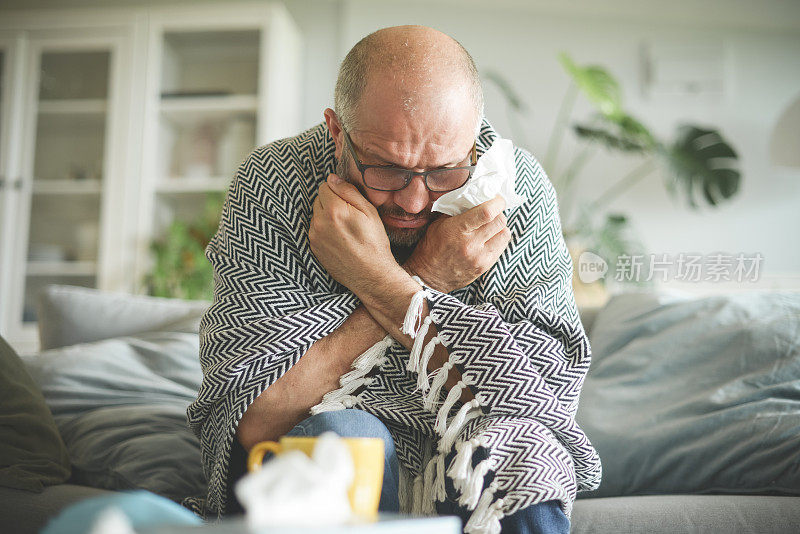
(120,405)
(32,454)
(141,446)
(71,314)
(695,395)
(668,514)
(23,512)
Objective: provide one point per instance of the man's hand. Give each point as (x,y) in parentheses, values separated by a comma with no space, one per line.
(456,250)
(347,235)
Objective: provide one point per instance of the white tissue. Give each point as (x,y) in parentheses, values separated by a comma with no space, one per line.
(293,489)
(495,174)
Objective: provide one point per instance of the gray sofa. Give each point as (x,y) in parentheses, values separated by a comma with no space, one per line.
(693,404)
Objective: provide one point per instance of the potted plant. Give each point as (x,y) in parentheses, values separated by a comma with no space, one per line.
(180,268)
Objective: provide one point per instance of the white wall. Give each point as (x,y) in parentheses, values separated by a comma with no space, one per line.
(520,38)
(761,49)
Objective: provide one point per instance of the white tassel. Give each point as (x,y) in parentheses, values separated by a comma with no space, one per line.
(472,489)
(416,503)
(439,489)
(493,518)
(462,462)
(351,386)
(416,349)
(422,379)
(339,402)
(413,318)
(326,406)
(444,410)
(436,385)
(466,413)
(405,486)
(480,518)
(427,506)
(341,398)
(370,357)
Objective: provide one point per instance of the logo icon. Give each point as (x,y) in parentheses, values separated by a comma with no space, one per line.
(591,267)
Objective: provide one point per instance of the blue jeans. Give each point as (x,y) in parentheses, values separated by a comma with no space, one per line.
(349,423)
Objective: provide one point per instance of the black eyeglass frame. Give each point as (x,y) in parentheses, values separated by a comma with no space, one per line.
(409,174)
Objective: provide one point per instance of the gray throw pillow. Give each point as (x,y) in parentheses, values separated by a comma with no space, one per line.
(136,447)
(695,395)
(71,314)
(32,454)
(120,405)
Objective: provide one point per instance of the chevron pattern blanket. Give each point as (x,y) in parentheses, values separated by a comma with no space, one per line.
(514,334)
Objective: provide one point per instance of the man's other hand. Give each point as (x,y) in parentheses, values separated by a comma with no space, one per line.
(456,250)
(347,236)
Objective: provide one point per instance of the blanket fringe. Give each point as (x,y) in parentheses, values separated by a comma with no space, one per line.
(342,398)
(424,360)
(466,413)
(444,410)
(418,495)
(429,485)
(413,319)
(416,349)
(436,386)
(487,515)
(471,490)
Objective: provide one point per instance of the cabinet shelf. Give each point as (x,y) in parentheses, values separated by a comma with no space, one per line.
(61,268)
(67,187)
(188,108)
(193,185)
(74,106)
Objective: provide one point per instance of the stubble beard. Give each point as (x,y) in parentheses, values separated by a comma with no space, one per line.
(401,239)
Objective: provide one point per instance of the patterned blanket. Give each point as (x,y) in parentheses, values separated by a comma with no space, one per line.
(514,334)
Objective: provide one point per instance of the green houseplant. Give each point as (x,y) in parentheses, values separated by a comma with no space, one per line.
(698,162)
(180,268)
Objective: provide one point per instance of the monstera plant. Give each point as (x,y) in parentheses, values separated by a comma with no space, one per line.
(698,163)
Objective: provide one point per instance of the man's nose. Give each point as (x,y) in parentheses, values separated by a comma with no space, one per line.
(414,197)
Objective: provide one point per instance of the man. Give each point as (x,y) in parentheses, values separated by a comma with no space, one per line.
(469,355)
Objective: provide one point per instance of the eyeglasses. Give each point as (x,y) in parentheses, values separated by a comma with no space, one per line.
(391,178)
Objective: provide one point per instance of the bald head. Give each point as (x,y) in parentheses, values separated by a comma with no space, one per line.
(419,62)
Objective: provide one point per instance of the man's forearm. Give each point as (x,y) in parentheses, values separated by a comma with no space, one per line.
(287,401)
(388,303)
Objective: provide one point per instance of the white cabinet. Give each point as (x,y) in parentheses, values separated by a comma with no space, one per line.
(220,82)
(115,123)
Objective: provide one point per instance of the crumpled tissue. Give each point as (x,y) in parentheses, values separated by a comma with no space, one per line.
(495,174)
(293,489)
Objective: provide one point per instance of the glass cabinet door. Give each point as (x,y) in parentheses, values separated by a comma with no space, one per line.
(6,182)
(207,106)
(69,121)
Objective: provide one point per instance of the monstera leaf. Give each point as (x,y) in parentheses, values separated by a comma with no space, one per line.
(700,159)
(624,133)
(599,87)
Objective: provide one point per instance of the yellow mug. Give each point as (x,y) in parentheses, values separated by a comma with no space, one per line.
(368,457)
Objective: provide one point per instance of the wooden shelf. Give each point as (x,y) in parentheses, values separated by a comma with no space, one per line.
(78,106)
(67,187)
(61,268)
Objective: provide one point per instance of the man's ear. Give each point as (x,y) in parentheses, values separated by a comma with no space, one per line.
(335,127)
